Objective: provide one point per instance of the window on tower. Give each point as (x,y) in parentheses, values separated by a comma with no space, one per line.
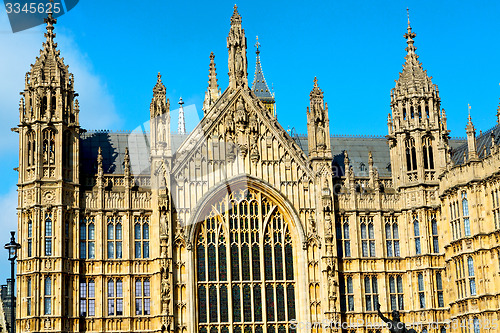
(47,300)
(30,238)
(428,154)
(472,278)
(465,211)
(411,155)
(48,234)
(48,147)
(421,290)
(435,235)
(416,231)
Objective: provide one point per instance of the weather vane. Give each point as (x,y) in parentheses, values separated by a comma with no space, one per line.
(257,44)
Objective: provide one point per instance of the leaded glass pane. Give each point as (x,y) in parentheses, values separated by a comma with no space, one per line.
(236,304)
(280,300)
(202,304)
(212,300)
(247,304)
(224,317)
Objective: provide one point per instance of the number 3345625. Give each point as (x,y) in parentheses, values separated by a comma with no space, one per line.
(32,8)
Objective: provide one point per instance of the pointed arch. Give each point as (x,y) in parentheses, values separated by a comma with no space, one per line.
(245,262)
(203,207)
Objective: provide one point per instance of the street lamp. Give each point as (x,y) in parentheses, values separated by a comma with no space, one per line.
(12,247)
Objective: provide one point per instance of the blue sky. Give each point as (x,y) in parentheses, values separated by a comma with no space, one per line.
(355,48)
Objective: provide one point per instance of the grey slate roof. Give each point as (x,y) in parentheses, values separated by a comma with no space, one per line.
(113,146)
(357,148)
(483,145)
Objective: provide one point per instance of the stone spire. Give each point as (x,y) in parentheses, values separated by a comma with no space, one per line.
(471,137)
(159,104)
(318,127)
(259,85)
(182,122)
(416,123)
(213,90)
(498,114)
(237,51)
(159,121)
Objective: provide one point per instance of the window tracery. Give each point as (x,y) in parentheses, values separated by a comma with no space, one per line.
(245,267)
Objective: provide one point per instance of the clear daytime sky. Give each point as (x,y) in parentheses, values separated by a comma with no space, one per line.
(355,48)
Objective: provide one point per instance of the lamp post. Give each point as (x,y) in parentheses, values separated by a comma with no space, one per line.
(12,247)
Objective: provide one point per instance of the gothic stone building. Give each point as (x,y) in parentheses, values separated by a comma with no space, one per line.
(240,226)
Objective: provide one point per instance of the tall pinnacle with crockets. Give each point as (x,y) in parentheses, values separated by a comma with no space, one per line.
(182,122)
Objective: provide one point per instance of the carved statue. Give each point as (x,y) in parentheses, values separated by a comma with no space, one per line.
(395,325)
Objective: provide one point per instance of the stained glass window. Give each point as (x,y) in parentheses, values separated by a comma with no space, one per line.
(248,265)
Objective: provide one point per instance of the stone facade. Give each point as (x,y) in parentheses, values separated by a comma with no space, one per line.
(240,226)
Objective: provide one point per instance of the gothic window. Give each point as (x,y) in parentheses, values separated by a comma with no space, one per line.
(28,296)
(396,292)
(48,147)
(419,111)
(48,234)
(245,273)
(371,293)
(362,167)
(47,299)
(392,236)
(477,325)
(67,154)
(142,297)
(428,154)
(141,236)
(443,330)
(44,104)
(66,235)
(115,297)
(367,236)
(87,298)
(416,231)
(30,237)
(496,208)
(421,290)
(472,279)
(427,110)
(465,210)
(411,155)
(343,235)
(435,235)
(412,112)
(439,289)
(460,281)
(114,231)
(31,148)
(87,238)
(53,103)
(455,220)
(404,113)
(350,294)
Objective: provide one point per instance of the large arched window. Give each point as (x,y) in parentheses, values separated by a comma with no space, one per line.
(245,267)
